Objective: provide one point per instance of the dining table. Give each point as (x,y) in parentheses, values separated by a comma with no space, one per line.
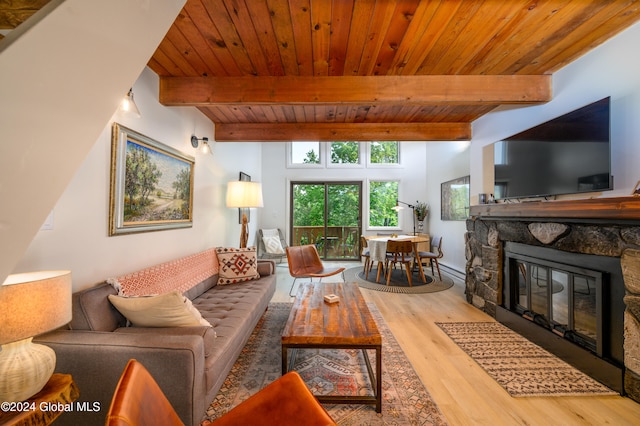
(378,247)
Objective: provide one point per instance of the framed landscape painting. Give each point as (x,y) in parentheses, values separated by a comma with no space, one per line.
(151,184)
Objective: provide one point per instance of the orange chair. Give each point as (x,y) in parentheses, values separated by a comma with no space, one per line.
(304,262)
(139,401)
(285,402)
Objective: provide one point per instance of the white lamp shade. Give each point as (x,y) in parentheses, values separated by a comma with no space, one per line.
(30,304)
(34,303)
(244,194)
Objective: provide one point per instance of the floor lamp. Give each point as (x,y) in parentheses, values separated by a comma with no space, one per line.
(398,207)
(244,195)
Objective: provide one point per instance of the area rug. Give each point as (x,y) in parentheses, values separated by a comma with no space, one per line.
(405,401)
(399,283)
(521,367)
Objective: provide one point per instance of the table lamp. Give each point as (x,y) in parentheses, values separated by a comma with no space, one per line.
(244,194)
(30,304)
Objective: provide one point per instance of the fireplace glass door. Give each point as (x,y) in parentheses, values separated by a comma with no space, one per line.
(561,297)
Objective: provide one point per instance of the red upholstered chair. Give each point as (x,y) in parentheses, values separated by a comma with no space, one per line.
(139,401)
(304,262)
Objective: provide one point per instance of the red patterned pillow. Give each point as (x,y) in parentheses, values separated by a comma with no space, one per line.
(237,265)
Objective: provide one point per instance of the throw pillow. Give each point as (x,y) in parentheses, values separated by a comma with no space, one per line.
(164,310)
(237,265)
(273,245)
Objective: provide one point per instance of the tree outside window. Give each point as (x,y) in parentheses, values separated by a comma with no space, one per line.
(305,153)
(384,152)
(383,196)
(345,152)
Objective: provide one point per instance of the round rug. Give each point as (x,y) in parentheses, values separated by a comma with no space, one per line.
(398,284)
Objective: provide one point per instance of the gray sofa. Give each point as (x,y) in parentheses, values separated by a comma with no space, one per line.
(189,363)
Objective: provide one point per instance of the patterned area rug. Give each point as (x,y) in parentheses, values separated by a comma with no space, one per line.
(405,401)
(521,367)
(399,283)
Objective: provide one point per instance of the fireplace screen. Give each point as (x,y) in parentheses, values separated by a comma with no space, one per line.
(563,298)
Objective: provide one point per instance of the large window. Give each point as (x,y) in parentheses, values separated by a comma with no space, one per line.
(383,196)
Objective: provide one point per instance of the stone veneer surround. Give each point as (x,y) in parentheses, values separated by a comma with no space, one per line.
(605,227)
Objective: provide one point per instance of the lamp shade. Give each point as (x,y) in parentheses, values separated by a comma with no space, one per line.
(244,194)
(34,303)
(30,304)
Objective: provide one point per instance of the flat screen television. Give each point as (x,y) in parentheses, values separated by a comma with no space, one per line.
(567,155)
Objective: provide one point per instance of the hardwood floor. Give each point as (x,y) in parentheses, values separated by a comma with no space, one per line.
(465,394)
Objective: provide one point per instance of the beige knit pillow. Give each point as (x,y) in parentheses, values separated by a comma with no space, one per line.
(164,310)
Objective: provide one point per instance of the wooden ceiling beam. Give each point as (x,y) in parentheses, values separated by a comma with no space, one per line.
(271,132)
(366,90)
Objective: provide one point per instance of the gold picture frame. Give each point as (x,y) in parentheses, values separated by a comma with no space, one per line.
(151,184)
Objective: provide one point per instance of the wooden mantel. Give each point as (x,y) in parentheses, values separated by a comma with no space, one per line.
(618,208)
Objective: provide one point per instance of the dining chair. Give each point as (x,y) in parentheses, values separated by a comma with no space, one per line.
(401,252)
(365,254)
(432,256)
(304,262)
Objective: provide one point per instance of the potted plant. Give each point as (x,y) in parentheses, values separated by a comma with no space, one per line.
(421,210)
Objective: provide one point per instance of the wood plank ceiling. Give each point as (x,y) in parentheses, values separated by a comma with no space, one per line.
(266,70)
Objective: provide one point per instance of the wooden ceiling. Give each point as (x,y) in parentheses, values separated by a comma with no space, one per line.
(371,70)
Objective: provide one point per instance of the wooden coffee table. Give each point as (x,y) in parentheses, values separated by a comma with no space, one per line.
(347,324)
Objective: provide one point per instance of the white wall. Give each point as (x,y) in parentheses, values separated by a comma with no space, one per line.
(612,69)
(447,161)
(63,73)
(79,240)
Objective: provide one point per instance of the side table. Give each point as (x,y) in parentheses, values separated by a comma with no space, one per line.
(43,408)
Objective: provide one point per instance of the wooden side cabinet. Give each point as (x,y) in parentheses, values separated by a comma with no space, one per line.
(43,408)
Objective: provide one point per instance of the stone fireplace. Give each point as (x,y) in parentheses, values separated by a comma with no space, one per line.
(565,274)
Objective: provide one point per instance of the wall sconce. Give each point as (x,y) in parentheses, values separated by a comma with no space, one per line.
(128,105)
(206,148)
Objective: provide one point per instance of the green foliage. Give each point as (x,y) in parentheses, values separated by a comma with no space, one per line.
(345,152)
(384,152)
(382,199)
(311,158)
(308,205)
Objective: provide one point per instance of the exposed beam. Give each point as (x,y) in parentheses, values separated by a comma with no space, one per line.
(269,132)
(369,90)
